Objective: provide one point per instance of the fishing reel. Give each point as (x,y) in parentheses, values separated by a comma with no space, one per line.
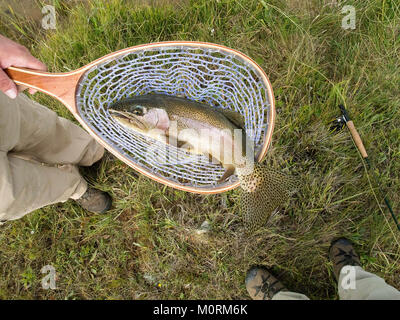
(337,124)
(340,122)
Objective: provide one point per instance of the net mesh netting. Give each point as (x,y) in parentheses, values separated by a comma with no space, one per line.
(209,75)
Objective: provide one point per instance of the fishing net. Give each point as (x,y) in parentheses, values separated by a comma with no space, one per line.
(214,76)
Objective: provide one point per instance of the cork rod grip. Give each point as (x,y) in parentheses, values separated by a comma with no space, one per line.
(357,138)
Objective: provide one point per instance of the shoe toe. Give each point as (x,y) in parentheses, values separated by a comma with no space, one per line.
(251,274)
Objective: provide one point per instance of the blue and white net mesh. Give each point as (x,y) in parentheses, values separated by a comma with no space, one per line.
(213,76)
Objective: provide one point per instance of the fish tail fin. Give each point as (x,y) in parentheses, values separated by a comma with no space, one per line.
(263,191)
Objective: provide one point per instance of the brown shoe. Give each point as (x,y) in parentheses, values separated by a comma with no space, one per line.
(342,253)
(261,284)
(95,200)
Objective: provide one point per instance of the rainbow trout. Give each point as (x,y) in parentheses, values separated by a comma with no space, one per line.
(218,133)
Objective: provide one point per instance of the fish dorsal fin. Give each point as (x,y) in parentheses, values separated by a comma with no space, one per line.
(235,117)
(230,170)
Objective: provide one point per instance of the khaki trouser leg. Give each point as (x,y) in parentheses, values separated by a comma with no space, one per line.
(26,186)
(367,286)
(31,134)
(287,295)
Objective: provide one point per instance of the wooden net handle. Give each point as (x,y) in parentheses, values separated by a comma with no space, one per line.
(61,86)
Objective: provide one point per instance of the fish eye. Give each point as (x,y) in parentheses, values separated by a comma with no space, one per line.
(138,110)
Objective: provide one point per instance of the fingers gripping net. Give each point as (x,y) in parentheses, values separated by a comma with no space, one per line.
(209,75)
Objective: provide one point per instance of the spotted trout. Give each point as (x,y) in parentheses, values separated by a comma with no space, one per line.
(217,133)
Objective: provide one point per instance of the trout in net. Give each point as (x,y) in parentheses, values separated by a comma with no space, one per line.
(217,133)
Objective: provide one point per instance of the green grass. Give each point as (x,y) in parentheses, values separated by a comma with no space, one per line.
(147,246)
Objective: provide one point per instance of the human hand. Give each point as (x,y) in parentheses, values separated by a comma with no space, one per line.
(13,54)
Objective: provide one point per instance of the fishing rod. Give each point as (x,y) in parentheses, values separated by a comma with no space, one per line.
(345,119)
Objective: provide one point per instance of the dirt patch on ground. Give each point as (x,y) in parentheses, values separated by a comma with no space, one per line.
(30,9)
